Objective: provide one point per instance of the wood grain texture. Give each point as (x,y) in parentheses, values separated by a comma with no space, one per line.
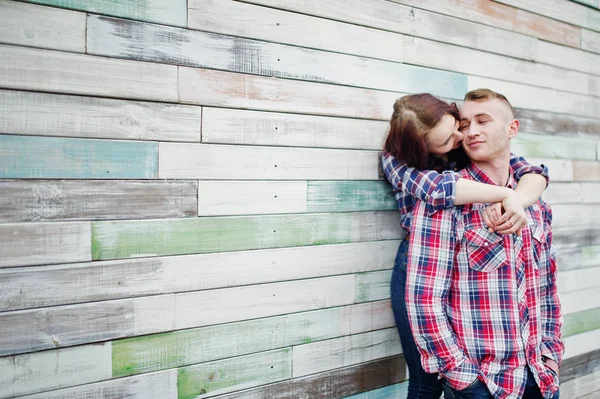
(115,240)
(44,243)
(234,374)
(580,300)
(30,25)
(567,57)
(585,384)
(214,161)
(531,145)
(576,192)
(145,354)
(407,20)
(232,90)
(586,171)
(589,3)
(373,286)
(155,43)
(576,215)
(231,126)
(242,20)
(579,279)
(579,344)
(590,40)
(166,12)
(51,157)
(60,72)
(581,365)
(337,383)
(580,322)
(40,114)
(559,124)
(45,200)
(390,391)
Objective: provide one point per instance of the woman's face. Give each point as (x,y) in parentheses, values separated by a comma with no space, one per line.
(444,137)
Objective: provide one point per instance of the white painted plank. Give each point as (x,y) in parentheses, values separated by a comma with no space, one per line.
(560,169)
(243,20)
(580,300)
(40,114)
(580,344)
(590,41)
(566,57)
(44,243)
(225,162)
(576,215)
(161,385)
(345,351)
(32,287)
(233,304)
(580,279)
(42,371)
(373,286)
(53,71)
(230,126)
(226,89)
(581,386)
(36,26)
(381,14)
(571,193)
(250,197)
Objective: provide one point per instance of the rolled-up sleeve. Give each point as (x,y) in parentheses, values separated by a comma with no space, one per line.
(521,167)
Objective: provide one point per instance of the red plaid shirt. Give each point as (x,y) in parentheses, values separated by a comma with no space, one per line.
(483,305)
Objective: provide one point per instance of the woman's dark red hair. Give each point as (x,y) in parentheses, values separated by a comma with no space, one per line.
(414,116)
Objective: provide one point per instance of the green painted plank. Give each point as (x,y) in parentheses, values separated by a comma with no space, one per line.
(51,157)
(234,374)
(590,255)
(348,196)
(169,12)
(389,392)
(373,286)
(546,146)
(576,323)
(122,239)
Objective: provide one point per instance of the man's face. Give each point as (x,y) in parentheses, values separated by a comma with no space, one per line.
(488,127)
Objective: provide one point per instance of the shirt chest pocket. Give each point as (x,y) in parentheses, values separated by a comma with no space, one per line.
(485,250)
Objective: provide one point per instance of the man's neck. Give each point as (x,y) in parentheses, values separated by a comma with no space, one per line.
(496,168)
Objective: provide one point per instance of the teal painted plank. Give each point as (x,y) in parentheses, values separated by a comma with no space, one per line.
(51,157)
(348,196)
(122,239)
(169,12)
(390,392)
(580,322)
(234,374)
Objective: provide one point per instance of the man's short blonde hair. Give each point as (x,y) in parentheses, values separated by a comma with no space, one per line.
(486,95)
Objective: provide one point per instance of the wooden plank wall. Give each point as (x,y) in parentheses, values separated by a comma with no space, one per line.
(191,203)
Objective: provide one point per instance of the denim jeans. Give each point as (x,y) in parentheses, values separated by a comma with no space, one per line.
(421,385)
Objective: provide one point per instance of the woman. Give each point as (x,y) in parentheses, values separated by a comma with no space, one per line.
(421,154)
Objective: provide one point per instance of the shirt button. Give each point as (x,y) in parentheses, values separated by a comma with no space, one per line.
(485,244)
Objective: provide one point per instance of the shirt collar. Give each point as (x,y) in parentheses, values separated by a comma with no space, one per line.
(479,175)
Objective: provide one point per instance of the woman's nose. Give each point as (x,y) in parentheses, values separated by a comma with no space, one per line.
(460,135)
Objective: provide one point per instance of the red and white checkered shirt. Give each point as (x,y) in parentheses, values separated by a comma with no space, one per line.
(483,305)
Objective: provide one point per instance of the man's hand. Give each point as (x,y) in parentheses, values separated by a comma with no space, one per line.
(552,365)
(506,217)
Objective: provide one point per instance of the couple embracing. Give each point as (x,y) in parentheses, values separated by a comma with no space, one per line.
(474,282)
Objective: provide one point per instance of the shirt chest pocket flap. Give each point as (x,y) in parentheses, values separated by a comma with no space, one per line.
(485,250)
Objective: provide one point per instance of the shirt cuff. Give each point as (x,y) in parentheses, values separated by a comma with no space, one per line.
(463,375)
(552,350)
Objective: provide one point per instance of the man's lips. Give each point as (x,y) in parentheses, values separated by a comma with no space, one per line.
(474,143)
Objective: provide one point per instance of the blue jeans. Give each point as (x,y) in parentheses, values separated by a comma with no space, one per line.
(421,385)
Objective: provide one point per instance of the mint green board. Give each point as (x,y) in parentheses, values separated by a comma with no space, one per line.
(349,196)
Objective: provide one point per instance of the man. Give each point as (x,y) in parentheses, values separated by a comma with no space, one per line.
(483,307)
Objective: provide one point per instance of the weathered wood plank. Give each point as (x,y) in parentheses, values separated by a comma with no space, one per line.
(581,386)
(580,300)
(564,193)
(532,145)
(226,89)
(40,114)
(42,371)
(238,19)
(60,72)
(559,124)
(155,43)
(398,18)
(161,385)
(44,243)
(213,161)
(44,200)
(575,367)
(579,279)
(342,196)
(580,344)
(166,12)
(337,383)
(345,351)
(575,14)
(234,374)
(576,215)
(590,41)
(390,391)
(567,57)
(580,322)
(589,3)
(586,171)
(30,25)
(144,354)
(115,240)
(33,287)
(373,286)
(504,17)
(231,126)
(53,157)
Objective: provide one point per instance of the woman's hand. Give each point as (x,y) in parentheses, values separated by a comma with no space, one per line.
(506,217)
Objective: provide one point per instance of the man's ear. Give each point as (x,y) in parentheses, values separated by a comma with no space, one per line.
(513,128)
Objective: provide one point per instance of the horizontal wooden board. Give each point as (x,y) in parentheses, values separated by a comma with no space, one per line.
(373,286)
(161,385)
(563,193)
(60,72)
(567,57)
(589,3)
(231,126)
(408,20)
(580,322)
(576,215)
(144,354)
(52,157)
(41,114)
(44,200)
(580,279)
(168,12)
(583,385)
(209,379)
(115,240)
(342,196)
(44,243)
(345,351)
(337,383)
(590,41)
(580,300)
(390,391)
(238,19)
(578,366)
(155,43)
(532,145)
(586,171)
(33,287)
(579,344)
(31,25)
(557,124)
